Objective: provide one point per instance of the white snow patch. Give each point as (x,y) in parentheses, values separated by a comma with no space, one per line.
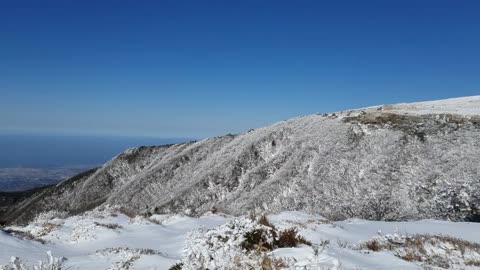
(163,240)
(462,105)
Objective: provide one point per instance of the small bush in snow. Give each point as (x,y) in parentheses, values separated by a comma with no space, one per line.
(46,217)
(291,238)
(242,243)
(112,226)
(268,263)
(260,239)
(52,263)
(269,238)
(473,263)
(127,250)
(373,245)
(342,243)
(263,220)
(128,256)
(177,266)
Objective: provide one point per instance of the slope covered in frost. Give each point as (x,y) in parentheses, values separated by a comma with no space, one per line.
(107,239)
(391,162)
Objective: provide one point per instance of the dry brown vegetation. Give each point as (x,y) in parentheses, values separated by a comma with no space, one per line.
(291,238)
(473,263)
(267,263)
(47,228)
(177,266)
(419,240)
(373,245)
(414,248)
(24,235)
(263,220)
(260,239)
(112,226)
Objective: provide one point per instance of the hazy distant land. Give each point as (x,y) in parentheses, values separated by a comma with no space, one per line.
(32,160)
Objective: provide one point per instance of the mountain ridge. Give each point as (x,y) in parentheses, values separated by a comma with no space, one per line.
(387,162)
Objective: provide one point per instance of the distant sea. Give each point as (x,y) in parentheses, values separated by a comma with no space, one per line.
(28,160)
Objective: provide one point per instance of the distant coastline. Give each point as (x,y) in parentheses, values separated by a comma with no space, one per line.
(20,179)
(32,160)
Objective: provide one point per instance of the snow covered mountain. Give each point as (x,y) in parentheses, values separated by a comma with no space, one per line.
(391,162)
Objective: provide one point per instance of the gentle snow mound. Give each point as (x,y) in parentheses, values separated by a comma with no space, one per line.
(463,106)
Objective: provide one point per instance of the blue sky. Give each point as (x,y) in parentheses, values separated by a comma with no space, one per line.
(202,68)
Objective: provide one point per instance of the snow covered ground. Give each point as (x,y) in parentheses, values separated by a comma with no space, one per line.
(107,239)
(462,105)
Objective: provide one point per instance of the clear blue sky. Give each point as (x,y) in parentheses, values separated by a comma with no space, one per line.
(202,68)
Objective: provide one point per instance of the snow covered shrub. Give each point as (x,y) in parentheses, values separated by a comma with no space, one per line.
(473,263)
(112,226)
(268,263)
(381,208)
(15,264)
(52,263)
(46,217)
(43,224)
(177,266)
(128,256)
(242,243)
(263,220)
(434,250)
(291,238)
(218,248)
(373,245)
(269,238)
(125,264)
(24,235)
(127,250)
(260,239)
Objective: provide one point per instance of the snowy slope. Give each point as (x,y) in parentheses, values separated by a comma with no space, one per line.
(390,162)
(462,106)
(160,244)
(89,245)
